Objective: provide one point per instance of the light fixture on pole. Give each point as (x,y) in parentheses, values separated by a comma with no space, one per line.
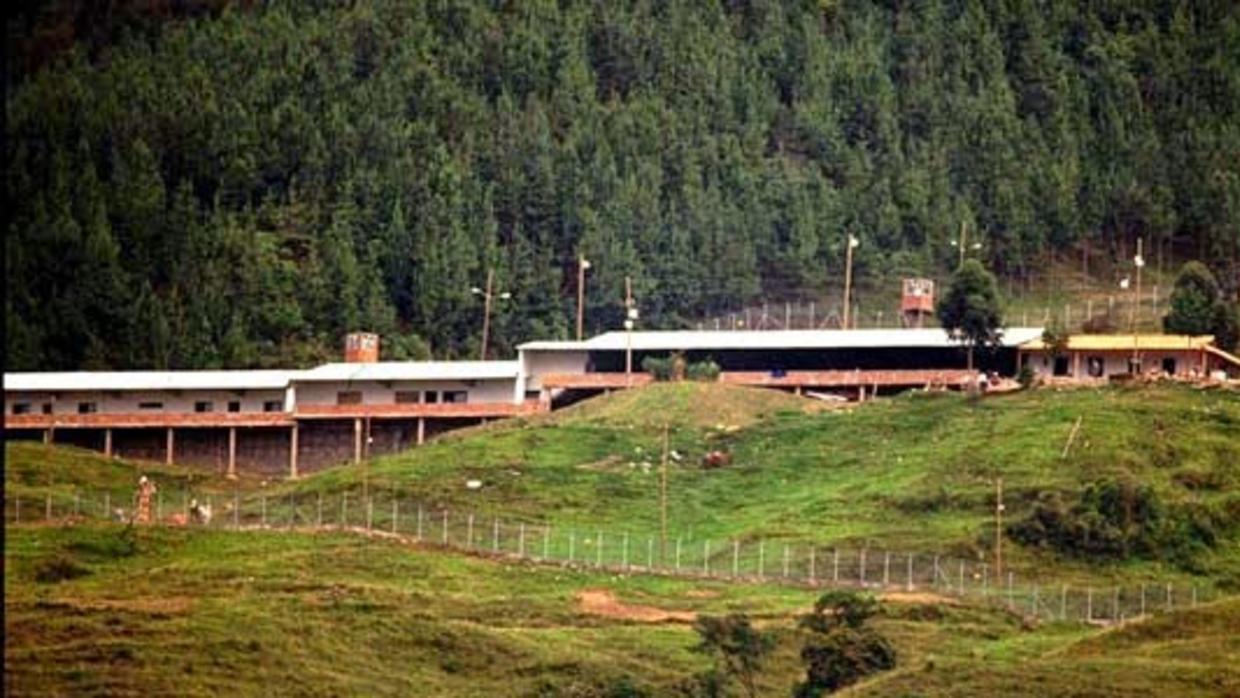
(629,322)
(963,243)
(487,297)
(852,242)
(582,265)
(1139,262)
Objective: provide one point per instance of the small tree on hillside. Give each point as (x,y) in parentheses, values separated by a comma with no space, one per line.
(1226,327)
(738,649)
(840,649)
(970,310)
(1193,301)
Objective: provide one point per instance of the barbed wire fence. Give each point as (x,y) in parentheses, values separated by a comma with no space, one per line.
(802,564)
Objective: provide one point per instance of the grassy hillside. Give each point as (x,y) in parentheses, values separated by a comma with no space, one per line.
(200,613)
(912,473)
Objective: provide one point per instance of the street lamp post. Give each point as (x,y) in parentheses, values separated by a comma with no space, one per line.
(1138,261)
(629,322)
(848,255)
(582,265)
(963,243)
(487,296)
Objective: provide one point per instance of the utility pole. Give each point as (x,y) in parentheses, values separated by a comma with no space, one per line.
(487,296)
(964,237)
(1139,262)
(998,528)
(663,497)
(630,318)
(852,242)
(582,265)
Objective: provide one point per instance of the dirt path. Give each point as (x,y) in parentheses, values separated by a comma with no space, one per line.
(602,602)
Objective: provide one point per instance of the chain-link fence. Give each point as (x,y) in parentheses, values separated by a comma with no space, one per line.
(796,563)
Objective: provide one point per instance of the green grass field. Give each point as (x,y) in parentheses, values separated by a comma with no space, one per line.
(205,612)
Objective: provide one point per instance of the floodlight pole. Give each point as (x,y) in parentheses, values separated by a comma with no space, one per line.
(486,313)
(849,244)
(582,265)
(1139,263)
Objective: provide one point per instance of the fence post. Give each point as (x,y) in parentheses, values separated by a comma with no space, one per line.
(521,540)
(1115,606)
(736,557)
(1011,591)
(706,557)
(985,581)
(495,536)
(318,518)
(861,564)
(908,576)
(370,513)
(76,503)
(812,581)
(419,521)
(886,568)
(624,556)
(1063,602)
(1089,605)
(835,564)
(107,506)
(546,543)
(395,513)
(264,514)
(961,589)
(572,539)
(650,554)
(1170,605)
(47,507)
(1143,599)
(1194,605)
(761,559)
(17,510)
(677,553)
(444,537)
(935,583)
(469,531)
(785,560)
(599,552)
(344,510)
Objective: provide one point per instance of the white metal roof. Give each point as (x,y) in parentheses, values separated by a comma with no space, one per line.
(67,381)
(410,371)
(682,340)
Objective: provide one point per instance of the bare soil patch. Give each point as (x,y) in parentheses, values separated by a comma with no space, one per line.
(601,602)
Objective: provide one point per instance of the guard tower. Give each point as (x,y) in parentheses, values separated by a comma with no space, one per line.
(917,302)
(361,348)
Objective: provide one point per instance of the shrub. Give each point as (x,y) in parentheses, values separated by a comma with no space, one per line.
(660,368)
(840,649)
(59,568)
(739,650)
(1026,376)
(706,371)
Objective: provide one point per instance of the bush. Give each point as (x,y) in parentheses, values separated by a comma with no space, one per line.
(59,568)
(841,650)
(1026,376)
(738,648)
(706,371)
(661,369)
(1119,520)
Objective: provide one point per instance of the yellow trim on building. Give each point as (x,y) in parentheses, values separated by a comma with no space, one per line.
(1125,342)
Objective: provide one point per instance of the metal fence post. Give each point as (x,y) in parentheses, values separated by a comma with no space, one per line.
(370,514)
(444,537)
(935,582)
(812,580)
(344,510)
(886,568)
(736,557)
(785,560)
(47,509)
(706,557)
(1143,599)
(420,513)
(495,536)
(1063,602)
(521,540)
(107,506)
(572,540)
(761,559)
(318,520)
(908,576)
(546,543)
(264,515)
(395,514)
(650,554)
(469,531)
(835,563)
(1170,605)
(1033,602)
(1089,604)
(861,565)
(598,539)
(624,559)
(677,553)
(961,589)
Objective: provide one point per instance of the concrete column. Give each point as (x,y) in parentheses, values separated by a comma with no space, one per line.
(47,436)
(170,447)
(292,452)
(1076,364)
(232,453)
(421,430)
(107,442)
(797,390)
(357,440)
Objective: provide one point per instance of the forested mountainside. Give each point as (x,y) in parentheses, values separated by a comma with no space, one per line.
(202,184)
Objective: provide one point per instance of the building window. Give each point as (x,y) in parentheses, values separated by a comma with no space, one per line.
(273,406)
(150,405)
(349,397)
(87,408)
(1097,366)
(204,406)
(234,406)
(21,408)
(454,396)
(407,397)
(1168,365)
(47,408)
(432,396)
(1061,366)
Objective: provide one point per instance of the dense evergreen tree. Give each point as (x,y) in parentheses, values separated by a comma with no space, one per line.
(214,183)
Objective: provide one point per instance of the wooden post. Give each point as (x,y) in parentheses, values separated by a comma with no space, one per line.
(357,440)
(292,451)
(169,448)
(663,497)
(998,528)
(232,453)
